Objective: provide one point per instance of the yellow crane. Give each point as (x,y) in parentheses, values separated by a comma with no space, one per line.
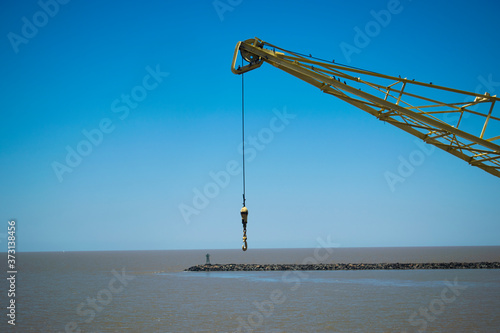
(441,116)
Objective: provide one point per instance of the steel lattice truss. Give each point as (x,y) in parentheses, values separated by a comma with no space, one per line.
(459,122)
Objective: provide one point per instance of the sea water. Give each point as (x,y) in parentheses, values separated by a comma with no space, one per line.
(149,291)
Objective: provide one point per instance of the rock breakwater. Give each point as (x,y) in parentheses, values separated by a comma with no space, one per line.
(334,267)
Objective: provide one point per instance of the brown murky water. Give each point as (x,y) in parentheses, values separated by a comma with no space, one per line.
(147,291)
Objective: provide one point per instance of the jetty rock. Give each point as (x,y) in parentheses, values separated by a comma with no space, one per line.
(335,267)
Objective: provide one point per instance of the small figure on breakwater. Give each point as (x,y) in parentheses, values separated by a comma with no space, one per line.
(207,262)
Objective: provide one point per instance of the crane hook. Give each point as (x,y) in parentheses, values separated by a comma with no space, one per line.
(244,247)
(244,216)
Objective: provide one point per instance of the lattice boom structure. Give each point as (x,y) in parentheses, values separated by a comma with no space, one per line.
(459,122)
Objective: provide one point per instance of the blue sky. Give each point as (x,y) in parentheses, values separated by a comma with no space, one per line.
(145,93)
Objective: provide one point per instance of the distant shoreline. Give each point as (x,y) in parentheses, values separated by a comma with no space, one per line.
(341,267)
(416,248)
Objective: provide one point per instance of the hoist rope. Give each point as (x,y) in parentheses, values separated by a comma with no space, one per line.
(244,210)
(243,130)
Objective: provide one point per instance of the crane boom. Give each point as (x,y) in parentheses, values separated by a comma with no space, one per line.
(441,116)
